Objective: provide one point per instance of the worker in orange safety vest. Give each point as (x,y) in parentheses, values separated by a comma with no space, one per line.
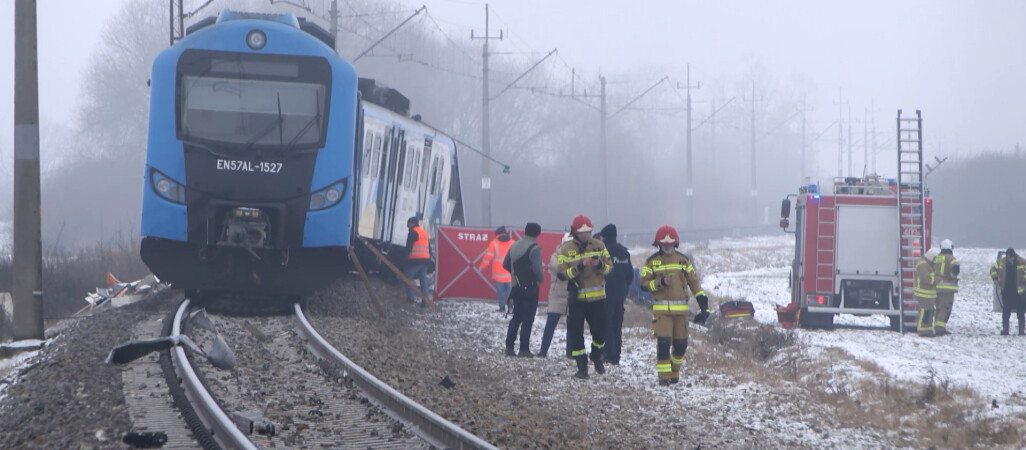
(418,259)
(496,252)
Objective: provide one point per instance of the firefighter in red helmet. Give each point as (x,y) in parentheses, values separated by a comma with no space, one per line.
(584,262)
(668,275)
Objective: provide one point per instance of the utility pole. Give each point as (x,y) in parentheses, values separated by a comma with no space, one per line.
(333,12)
(712,136)
(840,133)
(177,11)
(486,145)
(850,170)
(690,212)
(804,110)
(28,249)
(602,146)
(755,191)
(872,105)
(865,140)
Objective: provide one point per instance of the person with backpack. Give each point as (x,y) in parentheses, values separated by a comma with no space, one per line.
(524,263)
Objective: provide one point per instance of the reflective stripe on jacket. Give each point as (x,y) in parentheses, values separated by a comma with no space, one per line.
(591,280)
(496,252)
(926,281)
(680,275)
(422,246)
(945,266)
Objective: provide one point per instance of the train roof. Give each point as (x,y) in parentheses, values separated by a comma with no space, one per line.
(289,19)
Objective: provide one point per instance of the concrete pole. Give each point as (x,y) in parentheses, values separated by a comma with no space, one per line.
(602,148)
(691,173)
(28,266)
(755,189)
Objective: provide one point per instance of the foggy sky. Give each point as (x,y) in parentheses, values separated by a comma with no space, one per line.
(960,62)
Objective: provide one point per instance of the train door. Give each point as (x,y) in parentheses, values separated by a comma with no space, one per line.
(370,187)
(406,187)
(434,185)
(454,213)
(396,154)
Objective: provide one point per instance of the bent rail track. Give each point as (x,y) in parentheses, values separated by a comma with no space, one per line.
(214,427)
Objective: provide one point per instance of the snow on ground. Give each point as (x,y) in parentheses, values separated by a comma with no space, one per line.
(19,360)
(974,355)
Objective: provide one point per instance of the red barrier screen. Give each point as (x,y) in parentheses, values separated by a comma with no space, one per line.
(460,250)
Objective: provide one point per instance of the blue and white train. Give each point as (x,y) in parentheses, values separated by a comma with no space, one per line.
(267,156)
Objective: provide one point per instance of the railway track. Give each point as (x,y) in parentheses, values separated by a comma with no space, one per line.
(289,388)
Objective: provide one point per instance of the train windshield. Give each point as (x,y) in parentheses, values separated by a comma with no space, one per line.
(253,101)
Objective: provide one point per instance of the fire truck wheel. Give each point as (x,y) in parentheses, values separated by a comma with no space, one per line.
(895,324)
(808,319)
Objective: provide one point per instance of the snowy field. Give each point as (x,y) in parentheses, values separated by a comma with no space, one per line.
(974,355)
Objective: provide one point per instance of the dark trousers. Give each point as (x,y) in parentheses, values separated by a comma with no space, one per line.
(551,321)
(614,328)
(595,313)
(525,305)
(1010,302)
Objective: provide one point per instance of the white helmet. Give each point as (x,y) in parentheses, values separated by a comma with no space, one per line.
(946,244)
(932,253)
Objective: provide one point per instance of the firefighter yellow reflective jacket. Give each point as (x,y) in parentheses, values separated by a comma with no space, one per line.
(946,267)
(590,280)
(997,273)
(926,279)
(680,276)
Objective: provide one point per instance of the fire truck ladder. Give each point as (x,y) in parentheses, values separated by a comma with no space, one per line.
(911,204)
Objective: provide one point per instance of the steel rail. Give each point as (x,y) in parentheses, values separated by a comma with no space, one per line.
(425,423)
(220,425)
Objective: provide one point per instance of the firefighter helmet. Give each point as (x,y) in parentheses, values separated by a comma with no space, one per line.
(581,224)
(946,244)
(666,235)
(932,253)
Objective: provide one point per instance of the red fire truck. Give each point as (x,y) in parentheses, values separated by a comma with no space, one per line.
(856,249)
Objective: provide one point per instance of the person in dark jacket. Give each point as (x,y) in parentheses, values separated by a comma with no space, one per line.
(1010,275)
(524,263)
(618,282)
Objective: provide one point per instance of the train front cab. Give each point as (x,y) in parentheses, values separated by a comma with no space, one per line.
(248,175)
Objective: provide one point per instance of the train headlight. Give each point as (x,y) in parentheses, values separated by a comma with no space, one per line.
(166,187)
(256,39)
(329,196)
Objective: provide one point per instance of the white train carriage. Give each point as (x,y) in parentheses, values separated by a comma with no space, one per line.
(406,169)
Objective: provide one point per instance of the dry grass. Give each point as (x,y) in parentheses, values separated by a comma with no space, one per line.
(69,275)
(931,412)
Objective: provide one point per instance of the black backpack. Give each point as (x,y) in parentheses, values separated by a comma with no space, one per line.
(522,269)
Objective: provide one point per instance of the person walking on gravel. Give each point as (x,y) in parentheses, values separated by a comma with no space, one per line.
(583,263)
(668,275)
(557,306)
(524,263)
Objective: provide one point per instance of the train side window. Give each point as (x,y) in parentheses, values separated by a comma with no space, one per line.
(454,184)
(408,170)
(368,150)
(436,175)
(416,169)
(382,152)
(375,157)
